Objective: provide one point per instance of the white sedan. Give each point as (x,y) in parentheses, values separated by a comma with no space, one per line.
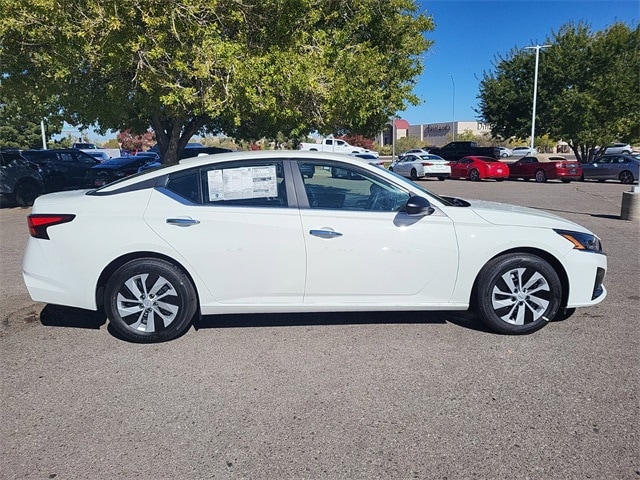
(246,232)
(416,166)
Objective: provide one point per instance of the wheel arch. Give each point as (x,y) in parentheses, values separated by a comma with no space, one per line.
(115,264)
(550,259)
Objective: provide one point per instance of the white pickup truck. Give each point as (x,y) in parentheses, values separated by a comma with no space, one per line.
(334,145)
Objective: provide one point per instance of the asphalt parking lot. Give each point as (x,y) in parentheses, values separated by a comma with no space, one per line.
(338,396)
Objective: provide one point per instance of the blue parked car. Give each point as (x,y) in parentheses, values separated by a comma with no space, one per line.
(624,168)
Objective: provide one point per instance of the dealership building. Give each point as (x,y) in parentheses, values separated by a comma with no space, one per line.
(437,134)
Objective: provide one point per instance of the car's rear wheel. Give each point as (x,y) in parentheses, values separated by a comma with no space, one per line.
(474,175)
(414,174)
(565,180)
(442,179)
(626,177)
(26,193)
(150,300)
(517,293)
(541,177)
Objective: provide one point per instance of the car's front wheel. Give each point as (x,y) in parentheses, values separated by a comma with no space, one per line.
(150,300)
(517,293)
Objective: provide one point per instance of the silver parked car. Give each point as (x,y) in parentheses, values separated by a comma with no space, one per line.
(523,152)
(624,168)
(623,148)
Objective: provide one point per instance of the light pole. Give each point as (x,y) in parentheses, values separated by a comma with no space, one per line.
(453,110)
(535,90)
(393,138)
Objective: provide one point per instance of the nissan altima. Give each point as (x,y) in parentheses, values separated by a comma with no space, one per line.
(247,232)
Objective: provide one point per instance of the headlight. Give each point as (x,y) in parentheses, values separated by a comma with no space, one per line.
(582,241)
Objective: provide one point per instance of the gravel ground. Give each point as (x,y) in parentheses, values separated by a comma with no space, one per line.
(337,396)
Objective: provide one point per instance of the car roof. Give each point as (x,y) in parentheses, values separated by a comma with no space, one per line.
(547,157)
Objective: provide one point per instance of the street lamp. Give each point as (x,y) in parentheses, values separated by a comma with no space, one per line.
(535,90)
(453,109)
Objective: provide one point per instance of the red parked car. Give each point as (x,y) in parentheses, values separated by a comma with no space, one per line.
(478,168)
(543,167)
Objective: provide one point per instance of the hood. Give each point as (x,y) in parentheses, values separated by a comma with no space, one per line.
(505,214)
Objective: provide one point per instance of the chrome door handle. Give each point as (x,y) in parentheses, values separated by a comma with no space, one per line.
(325,233)
(182,222)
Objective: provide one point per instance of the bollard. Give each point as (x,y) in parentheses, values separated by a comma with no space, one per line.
(631,205)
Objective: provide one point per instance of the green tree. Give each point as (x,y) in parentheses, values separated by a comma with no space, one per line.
(588,89)
(20,128)
(249,69)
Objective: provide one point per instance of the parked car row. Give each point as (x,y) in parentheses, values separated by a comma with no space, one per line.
(539,167)
(27,174)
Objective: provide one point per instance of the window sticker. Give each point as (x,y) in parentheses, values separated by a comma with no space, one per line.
(242,183)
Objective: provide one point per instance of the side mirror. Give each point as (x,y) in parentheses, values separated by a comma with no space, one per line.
(418,206)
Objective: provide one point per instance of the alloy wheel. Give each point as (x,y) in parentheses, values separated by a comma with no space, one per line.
(520,296)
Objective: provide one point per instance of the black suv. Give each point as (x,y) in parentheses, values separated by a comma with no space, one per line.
(63,168)
(20,179)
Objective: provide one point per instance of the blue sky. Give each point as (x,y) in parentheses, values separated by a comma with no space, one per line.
(469,34)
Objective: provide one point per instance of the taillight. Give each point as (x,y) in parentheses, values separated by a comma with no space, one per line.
(427,164)
(39,222)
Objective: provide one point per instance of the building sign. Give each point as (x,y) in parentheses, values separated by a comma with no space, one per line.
(436,129)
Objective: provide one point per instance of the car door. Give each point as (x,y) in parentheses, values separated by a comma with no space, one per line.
(462,167)
(402,166)
(616,164)
(232,224)
(527,167)
(362,250)
(76,165)
(600,168)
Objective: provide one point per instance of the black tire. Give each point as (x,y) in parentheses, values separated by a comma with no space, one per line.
(413,174)
(391,169)
(442,179)
(132,301)
(541,177)
(517,293)
(626,177)
(474,175)
(565,180)
(26,193)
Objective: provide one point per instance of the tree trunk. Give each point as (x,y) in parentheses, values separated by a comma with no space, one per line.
(173,134)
